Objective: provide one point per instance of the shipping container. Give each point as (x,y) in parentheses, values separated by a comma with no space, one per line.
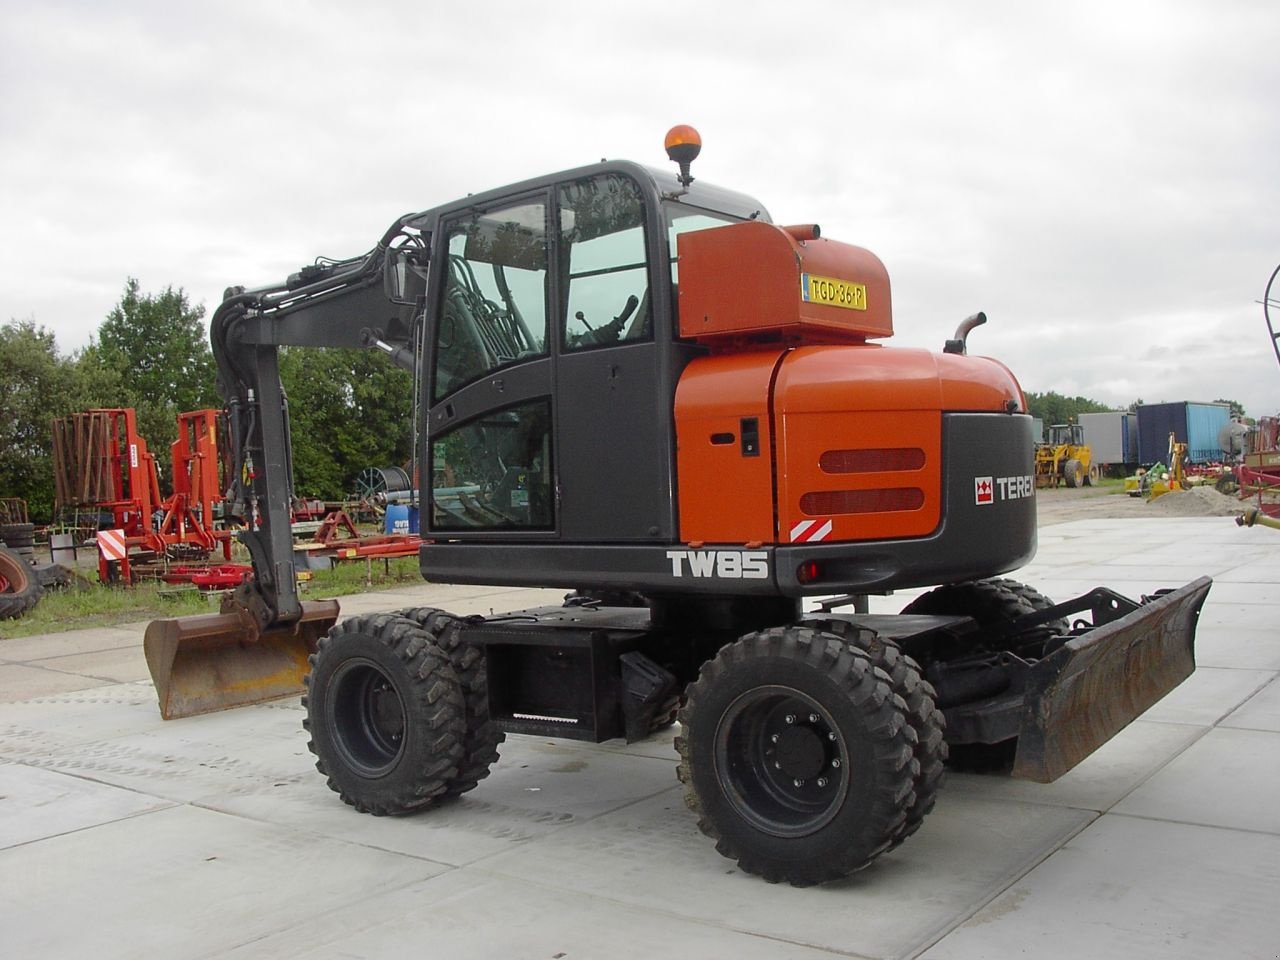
(1195,424)
(1112,437)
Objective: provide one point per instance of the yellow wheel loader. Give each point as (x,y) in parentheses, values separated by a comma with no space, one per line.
(1065,458)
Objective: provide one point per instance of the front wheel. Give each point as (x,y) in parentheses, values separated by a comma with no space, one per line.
(797,756)
(1073,473)
(480,744)
(386,714)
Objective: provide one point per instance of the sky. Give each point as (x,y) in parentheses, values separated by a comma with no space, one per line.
(1099,177)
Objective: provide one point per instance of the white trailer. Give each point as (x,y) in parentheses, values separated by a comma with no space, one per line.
(1113,436)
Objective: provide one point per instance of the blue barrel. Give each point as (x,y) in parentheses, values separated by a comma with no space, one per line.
(397,519)
(402,519)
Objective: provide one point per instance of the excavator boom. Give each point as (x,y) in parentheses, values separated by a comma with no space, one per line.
(256,648)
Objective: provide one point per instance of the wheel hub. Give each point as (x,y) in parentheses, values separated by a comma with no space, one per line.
(801,752)
(781,760)
(367,717)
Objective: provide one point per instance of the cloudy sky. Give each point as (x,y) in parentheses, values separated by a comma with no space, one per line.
(1099,177)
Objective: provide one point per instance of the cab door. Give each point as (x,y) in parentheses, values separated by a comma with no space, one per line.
(490,385)
(550,366)
(613,381)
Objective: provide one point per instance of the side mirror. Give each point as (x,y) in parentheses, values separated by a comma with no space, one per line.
(404,274)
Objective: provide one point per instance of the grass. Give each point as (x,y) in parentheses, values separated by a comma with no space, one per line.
(90,604)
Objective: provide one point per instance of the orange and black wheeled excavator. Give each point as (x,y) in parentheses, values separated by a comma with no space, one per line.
(636,387)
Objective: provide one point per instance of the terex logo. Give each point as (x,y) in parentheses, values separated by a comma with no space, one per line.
(724,564)
(989,489)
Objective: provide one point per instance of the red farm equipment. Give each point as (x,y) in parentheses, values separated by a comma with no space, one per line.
(102,462)
(1258,473)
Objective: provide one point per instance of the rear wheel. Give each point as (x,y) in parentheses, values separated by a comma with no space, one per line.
(386,715)
(19,588)
(987,602)
(480,742)
(797,756)
(1027,593)
(1093,476)
(922,713)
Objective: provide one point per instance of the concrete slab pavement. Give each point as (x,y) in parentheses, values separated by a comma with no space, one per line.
(123,835)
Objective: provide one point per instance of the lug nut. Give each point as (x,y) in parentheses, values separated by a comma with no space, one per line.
(835,764)
(822,781)
(798,783)
(831,735)
(777,765)
(791,718)
(774,738)
(813,718)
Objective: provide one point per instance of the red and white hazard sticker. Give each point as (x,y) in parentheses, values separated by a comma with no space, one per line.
(111,544)
(811,531)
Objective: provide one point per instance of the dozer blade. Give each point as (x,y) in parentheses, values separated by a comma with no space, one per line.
(216,661)
(1084,693)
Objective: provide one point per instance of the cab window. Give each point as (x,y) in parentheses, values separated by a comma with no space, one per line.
(607,277)
(494,308)
(495,473)
(682,219)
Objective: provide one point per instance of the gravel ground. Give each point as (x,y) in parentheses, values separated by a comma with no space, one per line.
(1063,504)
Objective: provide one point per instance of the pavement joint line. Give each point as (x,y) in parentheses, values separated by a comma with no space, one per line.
(477,867)
(76,775)
(956,922)
(57,656)
(168,805)
(1256,690)
(1253,831)
(1203,732)
(555,829)
(303,918)
(37,665)
(195,805)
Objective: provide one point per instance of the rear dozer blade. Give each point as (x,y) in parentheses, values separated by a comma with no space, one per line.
(216,661)
(1084,693)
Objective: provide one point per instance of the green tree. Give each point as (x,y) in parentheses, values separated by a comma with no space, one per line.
(1054,408)
(158,346)
(349,410)
(1237,409)
(39,385)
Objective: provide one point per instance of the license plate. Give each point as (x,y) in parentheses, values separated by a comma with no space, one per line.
(832,292)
